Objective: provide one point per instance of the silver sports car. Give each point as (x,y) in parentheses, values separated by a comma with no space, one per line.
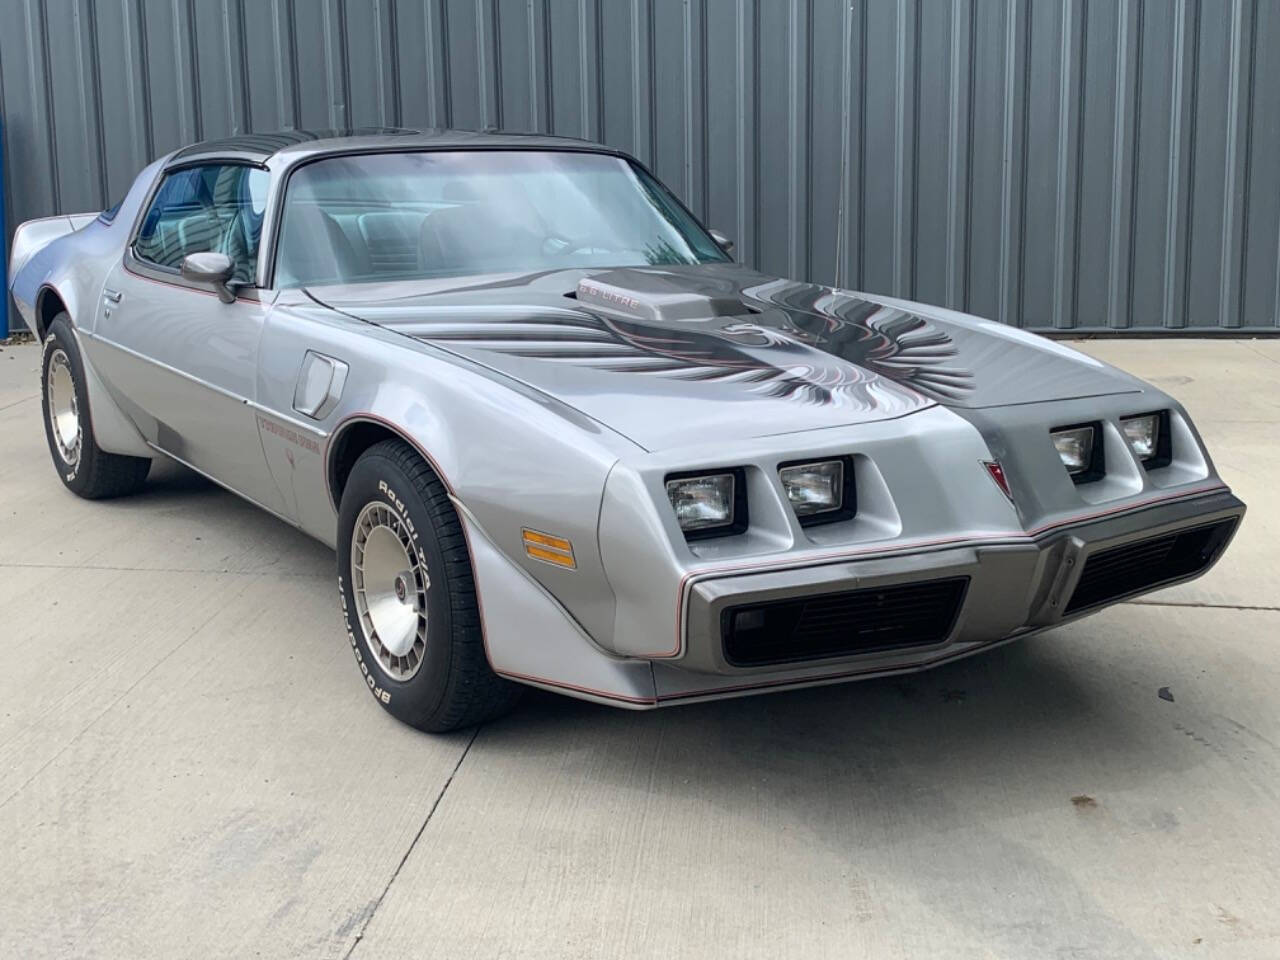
(558,437)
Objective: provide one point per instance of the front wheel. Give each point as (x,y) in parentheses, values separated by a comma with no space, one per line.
(86,469)
(409,597)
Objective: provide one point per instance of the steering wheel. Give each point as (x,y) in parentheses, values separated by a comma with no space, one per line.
(558,245)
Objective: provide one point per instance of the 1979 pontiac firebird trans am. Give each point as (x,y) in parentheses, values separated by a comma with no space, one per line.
(558,437)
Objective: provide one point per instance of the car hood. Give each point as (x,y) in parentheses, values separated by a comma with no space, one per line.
(669,356)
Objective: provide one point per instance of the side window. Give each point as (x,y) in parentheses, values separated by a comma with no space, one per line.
(215,207)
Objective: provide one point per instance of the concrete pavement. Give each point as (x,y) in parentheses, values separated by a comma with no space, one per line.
(190,767)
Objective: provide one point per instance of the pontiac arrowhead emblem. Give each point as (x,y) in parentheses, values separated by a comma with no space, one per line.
(996,472)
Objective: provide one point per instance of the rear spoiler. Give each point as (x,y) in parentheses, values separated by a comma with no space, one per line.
(28,240)
(34,235)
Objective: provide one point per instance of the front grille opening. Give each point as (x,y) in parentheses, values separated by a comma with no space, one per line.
(871,620)
(1122,571)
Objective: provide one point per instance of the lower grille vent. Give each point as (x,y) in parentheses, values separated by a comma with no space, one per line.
(1120,571)
(842,624)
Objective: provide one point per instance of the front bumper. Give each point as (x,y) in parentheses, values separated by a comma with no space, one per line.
(1012,588)
(1015,585)
(928,514)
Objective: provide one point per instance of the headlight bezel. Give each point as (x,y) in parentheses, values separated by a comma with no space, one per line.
(739,517)
(848,506)
(1097,466)
(1163,455)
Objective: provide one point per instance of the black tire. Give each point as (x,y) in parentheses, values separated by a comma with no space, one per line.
(91,472)
(453,685)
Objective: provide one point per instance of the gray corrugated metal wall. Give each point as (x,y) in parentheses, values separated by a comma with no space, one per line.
(1050,163)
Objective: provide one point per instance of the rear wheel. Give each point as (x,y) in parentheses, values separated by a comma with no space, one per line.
(409,596)
(85,468)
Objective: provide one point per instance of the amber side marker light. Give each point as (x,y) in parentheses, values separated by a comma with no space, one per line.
(549,549)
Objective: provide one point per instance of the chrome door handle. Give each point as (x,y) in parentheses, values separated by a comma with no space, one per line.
(112,296)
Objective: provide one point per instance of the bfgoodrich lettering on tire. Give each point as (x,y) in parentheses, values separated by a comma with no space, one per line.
(85,469)
(409,597)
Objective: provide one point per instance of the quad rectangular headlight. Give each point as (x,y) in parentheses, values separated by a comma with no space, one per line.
(1075,449)
(814,489)
(1144,435)
(704,504)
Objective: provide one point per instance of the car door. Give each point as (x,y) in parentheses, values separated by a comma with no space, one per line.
(183,364)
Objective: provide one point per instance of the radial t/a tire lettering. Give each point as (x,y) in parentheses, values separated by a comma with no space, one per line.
(409,596)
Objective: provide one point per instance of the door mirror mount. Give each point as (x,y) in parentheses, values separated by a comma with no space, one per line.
(724,242)
(210,269)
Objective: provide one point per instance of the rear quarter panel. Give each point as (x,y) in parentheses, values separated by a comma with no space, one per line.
(72,255)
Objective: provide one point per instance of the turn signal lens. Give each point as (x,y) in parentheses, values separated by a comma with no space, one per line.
(548,549)
(1075,448)
(814,487)
(1143,434)
(703,503)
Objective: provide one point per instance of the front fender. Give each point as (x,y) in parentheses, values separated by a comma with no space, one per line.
(512,458)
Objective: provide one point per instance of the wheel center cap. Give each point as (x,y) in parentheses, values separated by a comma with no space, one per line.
(402,588)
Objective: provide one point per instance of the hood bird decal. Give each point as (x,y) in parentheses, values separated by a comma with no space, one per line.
(892,343)
(829,348)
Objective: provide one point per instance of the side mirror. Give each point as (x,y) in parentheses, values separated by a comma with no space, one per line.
(725,243)
(211,269)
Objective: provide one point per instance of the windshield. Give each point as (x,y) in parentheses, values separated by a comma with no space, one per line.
(392,216)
